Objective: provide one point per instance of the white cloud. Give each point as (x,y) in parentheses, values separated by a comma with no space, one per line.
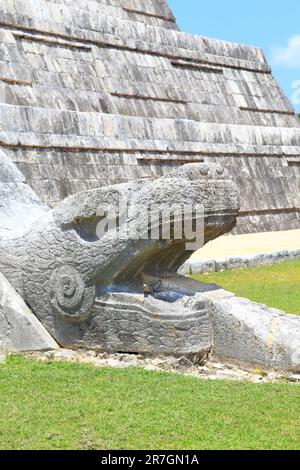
(288,56)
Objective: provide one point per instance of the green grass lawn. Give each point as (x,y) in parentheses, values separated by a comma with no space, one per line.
(72,406)
(277,285)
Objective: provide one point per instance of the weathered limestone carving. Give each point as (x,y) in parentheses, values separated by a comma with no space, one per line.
(20,330)
(70,298)
(253,333)
(91,292)
(122,293)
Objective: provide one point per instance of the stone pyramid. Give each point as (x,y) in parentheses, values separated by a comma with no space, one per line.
(99,92)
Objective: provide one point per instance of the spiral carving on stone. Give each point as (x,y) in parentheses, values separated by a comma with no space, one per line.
(70,297)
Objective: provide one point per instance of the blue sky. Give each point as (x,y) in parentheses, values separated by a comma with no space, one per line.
(273,25)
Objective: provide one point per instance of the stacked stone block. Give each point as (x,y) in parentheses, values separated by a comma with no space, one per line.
(101,92)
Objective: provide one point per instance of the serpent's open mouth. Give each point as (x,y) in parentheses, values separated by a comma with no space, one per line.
(152,269)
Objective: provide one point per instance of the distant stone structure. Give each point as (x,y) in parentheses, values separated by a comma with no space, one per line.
(109,91)
(106,100)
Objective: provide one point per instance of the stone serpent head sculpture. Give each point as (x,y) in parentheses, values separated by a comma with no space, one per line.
(116,292)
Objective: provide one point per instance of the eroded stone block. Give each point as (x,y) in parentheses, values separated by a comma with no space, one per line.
(20,330)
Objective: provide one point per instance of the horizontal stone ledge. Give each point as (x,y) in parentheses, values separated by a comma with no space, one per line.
(268,111)
(170,19)
(51,42)
(76,148)
(33,140)
(136,150)
(293,161)
(279,210)
(170,159)
(236,262)
(14,81)
(94,149)
(200,65)
(196,66)
(148,98)
(140,50)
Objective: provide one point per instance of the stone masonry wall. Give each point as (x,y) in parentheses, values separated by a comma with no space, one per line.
(101,92)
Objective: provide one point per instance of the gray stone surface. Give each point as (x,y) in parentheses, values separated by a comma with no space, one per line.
(90,292)
(122,294)
(20,330)
(252,333)
(19,205)
(95,93)
(130,322)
